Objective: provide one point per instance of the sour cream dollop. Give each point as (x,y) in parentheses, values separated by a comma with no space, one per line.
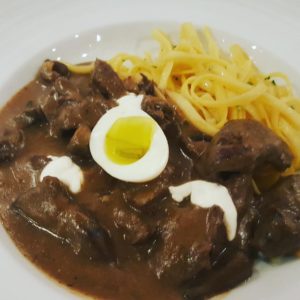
(207,194)
(66,171)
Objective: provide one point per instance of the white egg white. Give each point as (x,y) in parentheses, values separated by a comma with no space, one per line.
(146,168)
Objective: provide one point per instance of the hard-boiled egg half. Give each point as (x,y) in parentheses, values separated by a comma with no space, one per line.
(128,143)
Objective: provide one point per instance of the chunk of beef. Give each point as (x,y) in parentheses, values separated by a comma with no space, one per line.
(97,180)
(216,231)
(145,195)
(194,146)
(244,145)
(233,268)
(49,207)
(68,116)
(186,245)
(38,162)
(49,106)
(148,195)
(246,229)
(135,229)
(65,90)
(65,109)
(131,85)
(240,187)
(62,106)
(146,86)
(30,116)
(52,69)
(62,93)
(93,108)
(241,190)
(278,231)
(11,142)
(265,177)
(193,142)
(107,80)
(141,195)
(160,110)
(79,143)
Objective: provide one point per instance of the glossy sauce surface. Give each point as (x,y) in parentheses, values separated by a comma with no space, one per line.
(124,241)
(131,278)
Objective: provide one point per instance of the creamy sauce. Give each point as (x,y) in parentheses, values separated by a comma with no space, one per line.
(101,196)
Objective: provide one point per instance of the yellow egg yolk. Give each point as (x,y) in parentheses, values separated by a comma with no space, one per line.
(129,139)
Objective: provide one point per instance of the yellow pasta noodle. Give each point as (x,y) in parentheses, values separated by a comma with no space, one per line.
(211,88)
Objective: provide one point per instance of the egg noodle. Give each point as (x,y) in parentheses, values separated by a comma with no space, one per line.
(211,88)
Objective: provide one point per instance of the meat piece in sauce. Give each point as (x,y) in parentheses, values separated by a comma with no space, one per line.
(241,190)
(79,143)
(141,195)
(11,142)
(191,250)
(107,80)
(130,85)
(193,142)
(72,114)
(232,268)
(278,230)
(144,194)
(38,162)
(135,229)
(195,146)
(51,70)
(66,109)
(62,93)
(67,118)
(216,231)
(186,244)
(30,116)
(160,110)
(65,90)
(244,145)
(49,207)
(144,86)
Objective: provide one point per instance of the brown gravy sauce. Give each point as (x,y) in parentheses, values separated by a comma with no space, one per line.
(132,280)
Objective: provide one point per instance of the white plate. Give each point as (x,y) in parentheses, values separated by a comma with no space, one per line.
(80,30)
